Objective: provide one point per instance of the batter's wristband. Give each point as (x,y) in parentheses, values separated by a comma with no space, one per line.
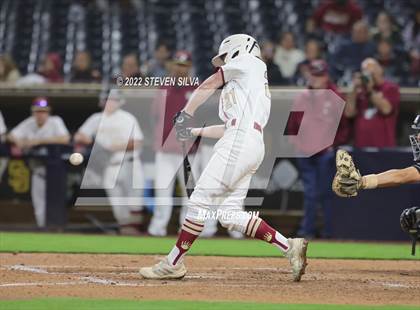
(370,181)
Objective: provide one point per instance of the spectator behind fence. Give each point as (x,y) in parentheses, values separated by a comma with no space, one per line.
(82,71)
(38,129)
(287,56)
(9,73)
(411,33)
(386,29)
(313,51)
(51,68)
(130,66)
(411,36)
(317,171)
(158,66)
(350,54)
(273,71)
(394,66)
(374,104)
(336,16)
(49,71)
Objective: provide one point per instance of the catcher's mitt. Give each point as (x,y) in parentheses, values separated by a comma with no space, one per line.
(347,180)
(410,223)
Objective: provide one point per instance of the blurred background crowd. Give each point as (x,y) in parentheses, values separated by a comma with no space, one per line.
(92,41)
(365,51)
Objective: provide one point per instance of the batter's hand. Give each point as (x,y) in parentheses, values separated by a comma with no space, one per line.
(183,125)
(347,180)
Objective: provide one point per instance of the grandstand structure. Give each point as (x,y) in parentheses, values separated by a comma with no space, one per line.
(110,29)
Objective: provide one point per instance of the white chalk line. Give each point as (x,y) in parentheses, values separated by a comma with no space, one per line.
(114,270)
(33,269)
(85,279)
(82,280)
(80,267)
(20,284)
(42,270)
(86,282)
(103,281)
(397,285)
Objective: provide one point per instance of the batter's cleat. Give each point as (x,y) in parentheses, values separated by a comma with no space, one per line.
(297,256)
(164,270)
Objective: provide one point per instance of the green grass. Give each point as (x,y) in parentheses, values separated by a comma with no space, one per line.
(112,304)
(69,243)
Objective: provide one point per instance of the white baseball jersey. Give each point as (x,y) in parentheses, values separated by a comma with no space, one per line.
(115,128)
(245,96)
(3,128)
(29,129)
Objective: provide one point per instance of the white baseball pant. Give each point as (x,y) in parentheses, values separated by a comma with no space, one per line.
(39,195)
(168,167)
(225,181)
(129,185)
(210,226)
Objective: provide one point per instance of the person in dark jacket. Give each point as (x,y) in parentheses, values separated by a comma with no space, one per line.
(273,71)
(82,71)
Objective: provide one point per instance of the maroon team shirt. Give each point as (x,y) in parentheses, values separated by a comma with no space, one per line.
(306,143)
(163,110)
(337,18)
(371,127)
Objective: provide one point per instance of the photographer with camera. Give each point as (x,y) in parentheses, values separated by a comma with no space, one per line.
(374,103)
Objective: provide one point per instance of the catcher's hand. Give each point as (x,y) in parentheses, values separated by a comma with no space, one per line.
(183,126)
(347,180)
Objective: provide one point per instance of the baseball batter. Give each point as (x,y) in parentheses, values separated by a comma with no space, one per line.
(110,130)
(40,128)
(244,108)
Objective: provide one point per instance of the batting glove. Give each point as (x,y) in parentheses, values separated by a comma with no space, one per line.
(182,122)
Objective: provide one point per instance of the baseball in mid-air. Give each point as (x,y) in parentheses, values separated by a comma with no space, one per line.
(76,159)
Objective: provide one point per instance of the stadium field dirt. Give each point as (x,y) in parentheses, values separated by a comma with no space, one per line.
(245,279)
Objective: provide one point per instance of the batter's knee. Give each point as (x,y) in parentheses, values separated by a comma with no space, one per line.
(234,220)
(196,213)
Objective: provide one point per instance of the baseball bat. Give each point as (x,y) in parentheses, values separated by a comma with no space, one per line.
(188,176)
(187,171)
